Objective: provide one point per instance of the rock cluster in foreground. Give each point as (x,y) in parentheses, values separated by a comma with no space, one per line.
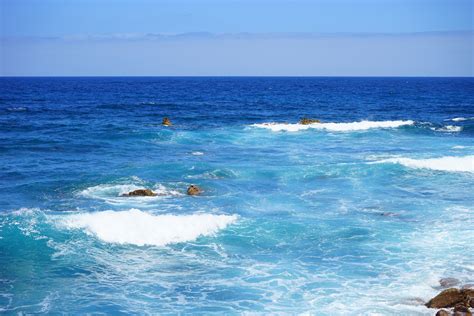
(461,300)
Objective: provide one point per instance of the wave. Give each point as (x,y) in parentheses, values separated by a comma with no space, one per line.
(448,163)
(141,228)
(112,193)
(460,119)
(335,127)
(447,128)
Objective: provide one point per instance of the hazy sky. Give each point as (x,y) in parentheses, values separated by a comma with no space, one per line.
(241,37)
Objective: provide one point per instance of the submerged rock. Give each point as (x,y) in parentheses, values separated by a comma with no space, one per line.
(194,190)
(140,192)
(307,121)
(166,122)
(448,282)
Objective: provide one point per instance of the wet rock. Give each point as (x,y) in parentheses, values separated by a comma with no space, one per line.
(447,298)
(140,192)
(166,122)
(449,282)
(452,297)
(194,190)
(442,312)
(461,310)
(307,121)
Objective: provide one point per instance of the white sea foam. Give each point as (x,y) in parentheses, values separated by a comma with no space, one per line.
(112,193)
(197,153)
(141,228)
(447,128)
(460,119)
(448,163)
(335,127)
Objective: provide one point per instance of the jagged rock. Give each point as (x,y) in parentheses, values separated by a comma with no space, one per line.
(448,282)
(194,190)
(140,192)
(447,298)
(166,122)
(442,312)
(307,121)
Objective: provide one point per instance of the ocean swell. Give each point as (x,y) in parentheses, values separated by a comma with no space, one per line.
(140,228)
(334,127)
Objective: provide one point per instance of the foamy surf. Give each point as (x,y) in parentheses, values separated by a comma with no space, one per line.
(448,163)
(112,193)
(447,129)
(140,228)
(335,127)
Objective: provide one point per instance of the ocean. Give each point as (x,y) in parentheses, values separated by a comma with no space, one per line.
(362,213)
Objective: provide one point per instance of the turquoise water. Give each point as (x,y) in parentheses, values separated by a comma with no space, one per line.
(361,214)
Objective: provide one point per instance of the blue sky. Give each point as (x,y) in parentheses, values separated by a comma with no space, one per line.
(95,37)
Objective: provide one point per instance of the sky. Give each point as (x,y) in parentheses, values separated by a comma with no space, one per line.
(237,37)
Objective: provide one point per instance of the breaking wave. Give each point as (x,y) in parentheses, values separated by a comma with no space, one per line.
(141,228)
(448,163)
(335,127)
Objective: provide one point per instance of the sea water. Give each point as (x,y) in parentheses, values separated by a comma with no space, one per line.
(362,213)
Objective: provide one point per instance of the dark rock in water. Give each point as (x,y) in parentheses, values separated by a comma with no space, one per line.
(442,312)
(461,310)
(166,122)
(449,282)
(194,190)
(307,121)
(140,192)
(447,298)
(452,297)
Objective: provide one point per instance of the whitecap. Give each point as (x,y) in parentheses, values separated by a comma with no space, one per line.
(335,127)
(460,119)
(140,228)
(112,193)
(448,163)
(448,129)
(197,153)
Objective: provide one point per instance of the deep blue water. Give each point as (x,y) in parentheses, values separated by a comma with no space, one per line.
(336,218)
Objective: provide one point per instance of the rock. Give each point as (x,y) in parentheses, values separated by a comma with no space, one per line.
(449,282)
(461,310)
(447,298)
(166,122)
(140,192)
(194,190)
(452,297)
(467,286)
(442,312)
(307,121)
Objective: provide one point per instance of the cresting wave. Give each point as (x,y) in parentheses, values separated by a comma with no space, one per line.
(335,127)
(448,163)
(140,228)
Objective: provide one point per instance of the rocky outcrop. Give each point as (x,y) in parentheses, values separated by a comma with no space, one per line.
(166,122)
(194,190)
(459,299)
(307,121)
(140,192)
